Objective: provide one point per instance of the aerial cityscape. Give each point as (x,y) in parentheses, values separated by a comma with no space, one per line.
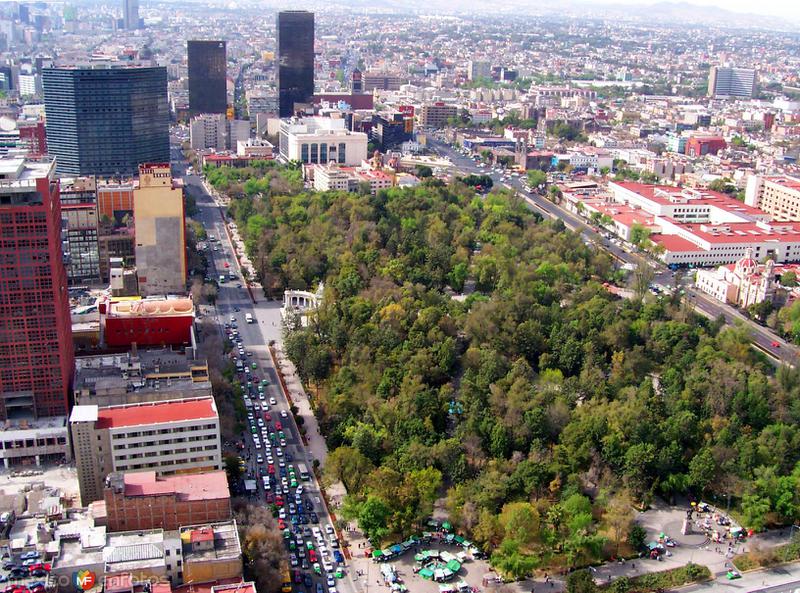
(385,297)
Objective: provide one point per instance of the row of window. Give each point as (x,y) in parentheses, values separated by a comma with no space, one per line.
(319,153)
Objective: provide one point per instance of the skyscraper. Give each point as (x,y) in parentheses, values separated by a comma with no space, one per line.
(36,352)
(106,121)
(295,41)
(208,73)
(130,14)
(731,82)
(160,232)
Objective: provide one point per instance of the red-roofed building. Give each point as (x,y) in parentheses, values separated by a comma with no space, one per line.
(166,437)
(142,500)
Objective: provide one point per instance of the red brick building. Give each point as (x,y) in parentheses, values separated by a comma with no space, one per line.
(703,145)
(36,351)
(140,500)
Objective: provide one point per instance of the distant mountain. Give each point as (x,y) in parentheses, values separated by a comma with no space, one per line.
(671,12)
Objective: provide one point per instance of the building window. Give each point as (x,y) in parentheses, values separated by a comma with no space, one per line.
(304,153)
(341,152)
(314,153)
(323,153)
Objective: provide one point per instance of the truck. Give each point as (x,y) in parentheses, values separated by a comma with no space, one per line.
(248,318)
(303,471)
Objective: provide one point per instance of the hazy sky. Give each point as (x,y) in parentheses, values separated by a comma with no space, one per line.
(769,7)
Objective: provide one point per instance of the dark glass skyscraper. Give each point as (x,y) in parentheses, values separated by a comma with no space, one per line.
(295,41)
(208,71)
(106,121)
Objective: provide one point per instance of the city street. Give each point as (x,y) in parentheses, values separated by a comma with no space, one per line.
(761,336)
(233,303)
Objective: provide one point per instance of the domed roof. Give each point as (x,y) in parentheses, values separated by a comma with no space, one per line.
(747,266)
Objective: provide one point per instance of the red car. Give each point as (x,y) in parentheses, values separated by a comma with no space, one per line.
(279,501)
(267,417)
(271,468)
(278,425)
(775,344)
(270,498)
(312,555)
(40,566)
(227,265)
(281,524)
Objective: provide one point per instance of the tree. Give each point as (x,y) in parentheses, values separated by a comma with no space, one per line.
(637,536)
(619,518)
(233,468)
(349,466)
(510,560)
(536,178)
(639,234)
(702,469)
(262,546)
(581,581)
(642,277)
(424,171)
(373,516)
(789,279)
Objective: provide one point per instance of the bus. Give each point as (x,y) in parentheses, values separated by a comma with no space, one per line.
(303,471)
(248,318)
(286,578)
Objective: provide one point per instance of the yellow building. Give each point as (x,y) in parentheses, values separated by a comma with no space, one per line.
(211,552)
(160,231)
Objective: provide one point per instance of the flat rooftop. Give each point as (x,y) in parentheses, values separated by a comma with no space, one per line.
(226,543)
(134,550)
(149,413)
(140,372)
(205,486)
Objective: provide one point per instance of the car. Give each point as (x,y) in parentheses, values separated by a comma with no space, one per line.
(30,556)
(259,459)
(298,577)
(314,518)
(293,560)
(329,581)
(267,416)
(3,578)
(775,344)
(329,530)
(273,401)
(307,581)
(320,589)
(326,564)
(312,556)
(338,557)
(279,452)
(334,543)
(284,414)
(9,564)
(289,456)
(317,568)
(733,574)
(301,552)
(278,425)
(304,564)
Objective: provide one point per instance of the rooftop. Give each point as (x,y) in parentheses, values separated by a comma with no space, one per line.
(189,487)
(145,414)
(143,371)
(226,543)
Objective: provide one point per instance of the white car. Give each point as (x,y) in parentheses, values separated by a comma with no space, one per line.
(326,564)
(329,530)
(284,414)
(273,401)
(279,452)
(257,444)
(259,459)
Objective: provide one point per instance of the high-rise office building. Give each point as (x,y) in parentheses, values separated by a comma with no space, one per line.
(732,82)
(36,352)
(79,230)
(208,92)
(295,41)
(158,215)
(106,121)
(130,14)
